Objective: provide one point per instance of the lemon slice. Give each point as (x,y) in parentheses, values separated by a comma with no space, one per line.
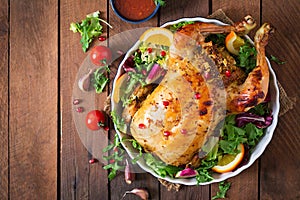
(160,36)
(119,87)
(230,162)
(233,42)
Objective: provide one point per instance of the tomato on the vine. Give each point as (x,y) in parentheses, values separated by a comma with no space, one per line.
(95,119)
(100,55)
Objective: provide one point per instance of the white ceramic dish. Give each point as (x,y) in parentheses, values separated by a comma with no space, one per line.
(259,149)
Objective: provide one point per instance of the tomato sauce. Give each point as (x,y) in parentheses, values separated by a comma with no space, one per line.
(135,9)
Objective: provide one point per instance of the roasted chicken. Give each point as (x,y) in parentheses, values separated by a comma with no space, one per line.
(176,119)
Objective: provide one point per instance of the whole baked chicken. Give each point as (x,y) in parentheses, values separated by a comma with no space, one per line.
(188,106)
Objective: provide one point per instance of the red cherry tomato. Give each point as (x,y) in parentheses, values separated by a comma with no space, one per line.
(95,119)
(100,54)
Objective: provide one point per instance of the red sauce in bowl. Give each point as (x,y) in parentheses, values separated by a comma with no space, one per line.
(135,9)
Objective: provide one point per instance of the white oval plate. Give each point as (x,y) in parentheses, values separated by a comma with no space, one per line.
(260,147)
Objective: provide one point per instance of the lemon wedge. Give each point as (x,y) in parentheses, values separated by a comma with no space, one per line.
(157,35)
(233,42)
(119,87)
(229,162)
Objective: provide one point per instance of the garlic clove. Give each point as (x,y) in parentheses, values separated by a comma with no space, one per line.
(129,176)
(142,193)
(85,81)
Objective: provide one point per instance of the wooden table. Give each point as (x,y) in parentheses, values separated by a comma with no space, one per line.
(41,155)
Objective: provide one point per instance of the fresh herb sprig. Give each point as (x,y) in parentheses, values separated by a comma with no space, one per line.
(100,80)
(89,28)
(223,188)
(277,60)
(115,158)
(160,2)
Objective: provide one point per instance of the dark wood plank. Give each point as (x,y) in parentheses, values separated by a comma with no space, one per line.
(4,28)
(237,10)
(33,99)
(280,177)
(175,10)
(80,180)
(180,9)
(143,180)
(245,185)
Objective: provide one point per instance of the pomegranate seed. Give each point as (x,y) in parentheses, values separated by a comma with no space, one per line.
(106,128)
(102,38)
(76,101)
(149,50)
(142,126)
(111,161)
(206,75)
(183,131)
(227,73)
(93,160)
(167,133)
(79,109)
(197,96)
(166,103)
(163,53)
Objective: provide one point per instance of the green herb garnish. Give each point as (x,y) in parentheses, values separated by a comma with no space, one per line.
(160,168)
(177,26)
(100,80)
(247,57)
(115,158)
(89,28)
(223,188)
(160,2)
(276,60)
(117,154)
(218,39)
(137,146)
(118,121)
(204,171)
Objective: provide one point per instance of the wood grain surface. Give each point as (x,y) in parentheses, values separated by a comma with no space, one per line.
(41,153)
(33,100)
(4,106)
